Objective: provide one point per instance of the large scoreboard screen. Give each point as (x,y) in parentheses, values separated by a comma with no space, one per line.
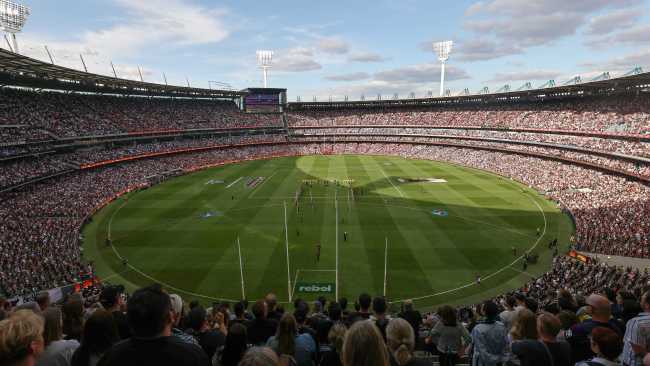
(264,100)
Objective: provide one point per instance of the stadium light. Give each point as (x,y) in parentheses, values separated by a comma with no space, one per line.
(12,19)
(442,49)
(264,59)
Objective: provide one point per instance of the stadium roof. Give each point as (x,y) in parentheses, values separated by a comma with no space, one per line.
(19,70)
(626,84)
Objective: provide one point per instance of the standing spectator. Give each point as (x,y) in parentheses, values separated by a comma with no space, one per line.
(100,333)
(152,343)
(210,339)
(364,309)
(524,326)
(413,317)
(43,300)
(452,337)
(236,344)
(578,336)
(401,344)
(260,329)
(58,352)
(545,350)
(73,321)
(364,346)
(112,299)
(489,338)
(260,356)
(177,313)
(272,304)
(606,346)
(336,338)
(636,335)
(287,342)
(379,316)
(507,316)
(240,314)
(21,339)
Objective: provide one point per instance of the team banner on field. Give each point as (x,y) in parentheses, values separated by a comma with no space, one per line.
(312,287)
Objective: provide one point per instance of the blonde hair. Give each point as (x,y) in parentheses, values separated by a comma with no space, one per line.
(401,340)
(17,334)
(364,346)
(336,337)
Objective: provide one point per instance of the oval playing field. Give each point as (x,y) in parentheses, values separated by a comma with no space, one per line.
(409,229)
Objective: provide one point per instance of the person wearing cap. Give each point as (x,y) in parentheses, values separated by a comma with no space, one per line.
(177,314)
(600,310)
(112,300)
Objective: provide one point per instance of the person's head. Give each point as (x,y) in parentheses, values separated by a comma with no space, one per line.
(408,305)
(177,308)
(323,301)
(260,309)
(599,307)
(401,340)
(260,356)
(73,311)
(334,311)
(364,302)
(149,312)
(524,325)
(197,318)
(448,315)
(53,327)
(100,332)
(239,310)
(645,301)
(235,345)
(520,299)
(490,310)
(548,326)
(344,303)
(111,297)
(379,305)
(43,300)
(567,319)
(606,343)
(21,338)
(364,346)
(271,301)
(336,337)
(286,334)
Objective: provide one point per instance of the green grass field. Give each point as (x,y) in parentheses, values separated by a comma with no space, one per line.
(165,233)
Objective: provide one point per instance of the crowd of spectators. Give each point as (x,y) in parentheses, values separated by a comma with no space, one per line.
(579,313)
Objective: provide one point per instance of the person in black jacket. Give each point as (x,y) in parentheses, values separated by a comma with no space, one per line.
(261,328)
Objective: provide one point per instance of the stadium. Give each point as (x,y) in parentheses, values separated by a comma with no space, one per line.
(226,226)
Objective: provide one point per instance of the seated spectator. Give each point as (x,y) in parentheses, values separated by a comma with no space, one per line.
(21,339)
(152,343)
(100,333)
(260,356)
(287,342)
(112,299)
(58,352)
(336,338)
(401,344)
(451,336)
(489,338)
(546,350)
(236,345)
(606,345)
(260,329)
(364,346)
(211,339)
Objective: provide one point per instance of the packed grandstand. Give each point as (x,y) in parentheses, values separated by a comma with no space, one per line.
(64,153)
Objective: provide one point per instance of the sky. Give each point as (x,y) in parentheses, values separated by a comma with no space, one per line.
(344,48)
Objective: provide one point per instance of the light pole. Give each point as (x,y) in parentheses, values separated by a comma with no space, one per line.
(264,59)
(12,19)
(443,49)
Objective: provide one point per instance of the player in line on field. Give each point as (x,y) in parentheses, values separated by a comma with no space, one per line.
(317,252)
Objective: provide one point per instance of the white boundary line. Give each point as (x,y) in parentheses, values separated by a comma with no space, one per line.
(255,190)
(490,275)
(233,183)
(392,184)
(241,270)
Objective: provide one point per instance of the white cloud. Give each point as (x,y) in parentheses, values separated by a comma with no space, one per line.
(297,59)
(354,76)
(333,45)
(366,57)
(420,73)
(610,22)
(528,75)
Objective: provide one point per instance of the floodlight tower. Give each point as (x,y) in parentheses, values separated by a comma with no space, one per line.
(12,19)
(443,49)
(264,59)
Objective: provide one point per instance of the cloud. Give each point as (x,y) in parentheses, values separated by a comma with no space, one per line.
(421,73)
(297,59)
(623,63)
(484,49)
(524,75)
(333,45)
(610,22)
(354,76)
(366,57)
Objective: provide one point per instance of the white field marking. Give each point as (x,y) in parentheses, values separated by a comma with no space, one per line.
(391,183)
(293,290)
(258,187)
(473,283)
(233,183)
(241,270)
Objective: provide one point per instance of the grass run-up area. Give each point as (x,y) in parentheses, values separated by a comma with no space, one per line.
(409,229)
